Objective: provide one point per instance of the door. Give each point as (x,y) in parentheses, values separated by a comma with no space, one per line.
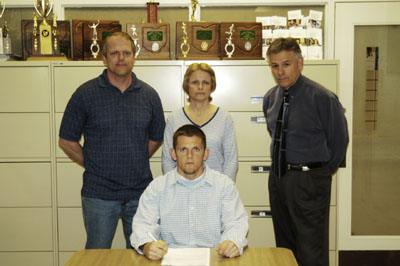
(367,37)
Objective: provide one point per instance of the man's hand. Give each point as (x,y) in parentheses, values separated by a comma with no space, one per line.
(155,250)
(228,249)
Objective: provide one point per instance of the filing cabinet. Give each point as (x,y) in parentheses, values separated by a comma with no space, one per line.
(26,203)
(40,184)
(241,86)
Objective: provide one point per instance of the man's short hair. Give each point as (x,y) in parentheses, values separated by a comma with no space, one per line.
(120,34)
(189,131)
(284,44)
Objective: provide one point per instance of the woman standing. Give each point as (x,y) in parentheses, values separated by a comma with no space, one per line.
(199,82)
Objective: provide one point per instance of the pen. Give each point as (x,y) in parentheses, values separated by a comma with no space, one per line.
(151,236)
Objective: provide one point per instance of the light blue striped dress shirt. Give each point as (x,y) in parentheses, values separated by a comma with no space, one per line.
(200,215)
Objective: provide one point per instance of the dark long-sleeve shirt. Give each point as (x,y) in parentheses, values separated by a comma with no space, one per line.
(317,128)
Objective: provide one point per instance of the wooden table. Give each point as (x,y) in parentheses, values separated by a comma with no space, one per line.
(129,257)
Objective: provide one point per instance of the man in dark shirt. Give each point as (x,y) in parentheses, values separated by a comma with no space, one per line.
(312,142)
(122,121)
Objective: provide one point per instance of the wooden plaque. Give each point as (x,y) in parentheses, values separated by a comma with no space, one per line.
(153,40)
(82,36)
(246,37)
(63,38)
(203,40)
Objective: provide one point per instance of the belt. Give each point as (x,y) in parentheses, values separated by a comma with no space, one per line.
(305,166)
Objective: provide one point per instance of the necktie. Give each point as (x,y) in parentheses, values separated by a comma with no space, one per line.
(279,148)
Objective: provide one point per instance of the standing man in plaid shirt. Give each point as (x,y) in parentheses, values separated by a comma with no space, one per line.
(122,121)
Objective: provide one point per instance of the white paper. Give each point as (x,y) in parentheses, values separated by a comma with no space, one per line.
(187,256)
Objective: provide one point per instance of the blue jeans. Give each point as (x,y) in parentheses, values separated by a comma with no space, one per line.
(101,220)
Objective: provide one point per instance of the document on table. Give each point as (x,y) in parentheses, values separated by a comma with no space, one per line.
(187,256)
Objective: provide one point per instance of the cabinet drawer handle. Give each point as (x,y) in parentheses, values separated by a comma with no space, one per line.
(256,99)
(258,119)
(260,168)
(261,214)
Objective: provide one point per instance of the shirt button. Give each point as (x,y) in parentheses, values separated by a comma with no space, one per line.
(191,208)
(191,225)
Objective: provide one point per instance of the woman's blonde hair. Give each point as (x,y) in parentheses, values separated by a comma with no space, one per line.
(194,67)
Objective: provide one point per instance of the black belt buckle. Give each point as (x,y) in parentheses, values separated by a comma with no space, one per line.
(298,167)
(306,166)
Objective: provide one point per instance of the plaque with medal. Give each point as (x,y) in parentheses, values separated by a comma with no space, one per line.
(241,40)
(89,35)
(197,40)
(151,40)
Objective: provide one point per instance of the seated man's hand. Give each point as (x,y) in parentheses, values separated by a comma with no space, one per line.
(155,250)
(228,249)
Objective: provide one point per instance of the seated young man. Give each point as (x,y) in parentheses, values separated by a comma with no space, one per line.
(191,206)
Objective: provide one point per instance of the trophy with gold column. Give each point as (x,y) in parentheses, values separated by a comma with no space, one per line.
(44,40)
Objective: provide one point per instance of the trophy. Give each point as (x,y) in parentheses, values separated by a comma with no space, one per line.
(230,46)
(44,35)
(185,46)
(194,7)
(5,41)
(94,47)
(152,11)
(89,36)
(135,39)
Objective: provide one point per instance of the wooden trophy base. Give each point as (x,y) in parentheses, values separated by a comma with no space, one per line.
(203,39)
(82,36)
(246,37)
(55,57)
(153,40)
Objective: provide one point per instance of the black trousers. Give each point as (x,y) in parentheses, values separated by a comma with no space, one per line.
(300,213)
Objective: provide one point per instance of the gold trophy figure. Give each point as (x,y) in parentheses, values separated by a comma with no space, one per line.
(185,47)
(194,7)
(43,9)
